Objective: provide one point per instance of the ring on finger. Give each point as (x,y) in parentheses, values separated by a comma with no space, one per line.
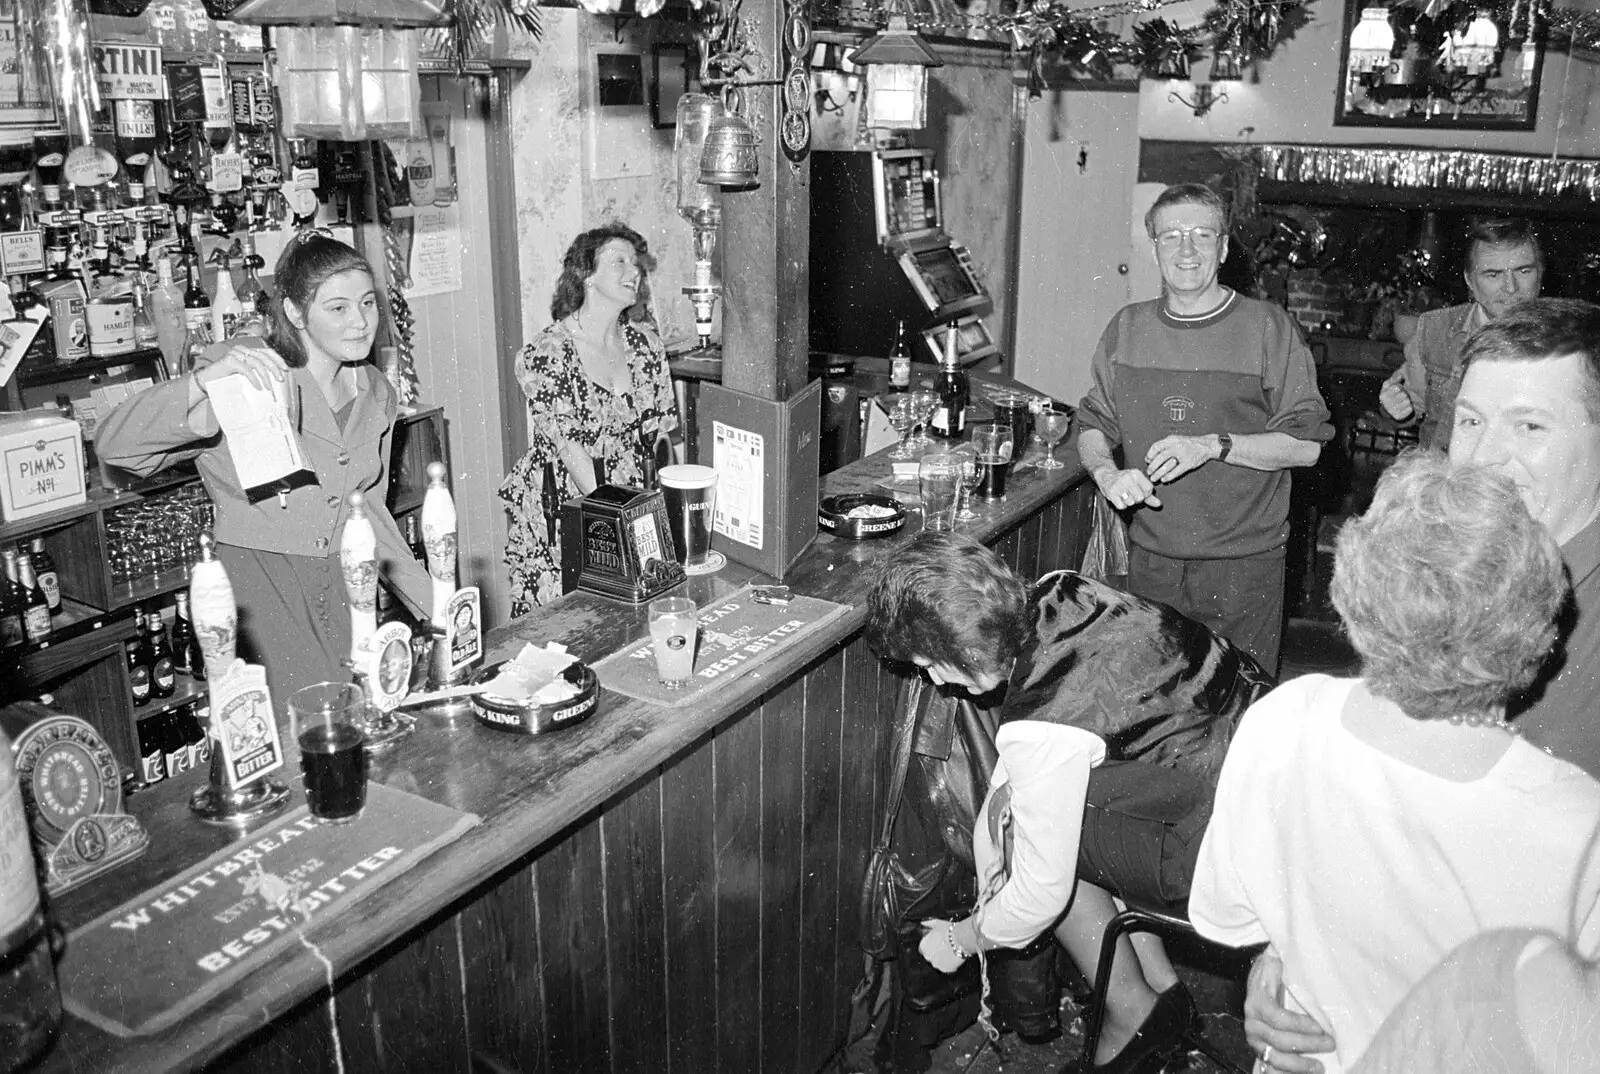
(1266,1056)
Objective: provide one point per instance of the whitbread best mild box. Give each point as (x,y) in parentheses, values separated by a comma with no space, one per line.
(41,464)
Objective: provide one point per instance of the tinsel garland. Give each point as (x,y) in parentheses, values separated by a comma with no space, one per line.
(1431,169)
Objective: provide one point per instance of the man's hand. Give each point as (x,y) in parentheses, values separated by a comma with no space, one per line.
(1173,456)
(1125,488)
(1280,1036)
(1395,400)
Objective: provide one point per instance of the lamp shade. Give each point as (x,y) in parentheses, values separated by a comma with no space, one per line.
(896,62)
(1371,41)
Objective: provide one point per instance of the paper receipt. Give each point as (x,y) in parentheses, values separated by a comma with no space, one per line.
(256,425)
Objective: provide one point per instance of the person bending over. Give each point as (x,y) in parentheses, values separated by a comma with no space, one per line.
(1114,714)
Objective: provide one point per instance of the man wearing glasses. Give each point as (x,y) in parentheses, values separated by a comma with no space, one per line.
(1211,397)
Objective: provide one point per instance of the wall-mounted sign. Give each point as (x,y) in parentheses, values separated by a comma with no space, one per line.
(129,72)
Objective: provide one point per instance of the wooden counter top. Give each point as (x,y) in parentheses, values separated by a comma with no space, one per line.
(529,791)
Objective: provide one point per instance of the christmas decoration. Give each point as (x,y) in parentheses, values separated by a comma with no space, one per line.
(1432,169)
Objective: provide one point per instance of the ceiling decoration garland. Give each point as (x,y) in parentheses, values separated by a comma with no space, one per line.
(1431,169)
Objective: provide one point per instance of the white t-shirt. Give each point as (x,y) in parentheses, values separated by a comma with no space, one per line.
(1364,872)
(1037,791)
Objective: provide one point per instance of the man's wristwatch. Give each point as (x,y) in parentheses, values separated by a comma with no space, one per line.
(1226,443)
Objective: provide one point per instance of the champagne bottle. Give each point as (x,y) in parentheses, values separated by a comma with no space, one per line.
(953,387)
(163,676)
(29,996)
(44,569)
(900,360)
(196,310)
(36,623)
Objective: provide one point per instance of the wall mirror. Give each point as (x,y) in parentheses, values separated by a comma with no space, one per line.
(1461,67)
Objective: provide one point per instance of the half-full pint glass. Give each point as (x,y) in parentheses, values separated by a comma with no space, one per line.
(690,493)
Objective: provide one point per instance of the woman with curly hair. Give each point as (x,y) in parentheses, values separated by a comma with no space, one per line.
(1367,827)
(599,402)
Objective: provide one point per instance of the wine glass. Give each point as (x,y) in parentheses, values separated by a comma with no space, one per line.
(924,403)
(967,460)
(1052,423)
(901,411)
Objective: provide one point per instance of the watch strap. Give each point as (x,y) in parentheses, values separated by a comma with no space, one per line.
(1227,446)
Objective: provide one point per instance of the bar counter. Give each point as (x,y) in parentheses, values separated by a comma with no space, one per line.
(655,889)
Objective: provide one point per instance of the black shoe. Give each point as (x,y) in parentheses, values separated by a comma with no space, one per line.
(1159,1037)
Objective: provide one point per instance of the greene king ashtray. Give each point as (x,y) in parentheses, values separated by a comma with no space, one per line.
(530,717)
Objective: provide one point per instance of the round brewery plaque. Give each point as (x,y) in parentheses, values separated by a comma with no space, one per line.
(66,772)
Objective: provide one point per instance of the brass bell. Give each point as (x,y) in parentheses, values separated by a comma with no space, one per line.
(729,158)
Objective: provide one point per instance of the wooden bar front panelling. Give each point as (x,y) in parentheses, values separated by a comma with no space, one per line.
(704,920)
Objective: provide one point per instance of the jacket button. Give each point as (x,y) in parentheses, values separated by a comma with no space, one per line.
(333,501)
(344,458)
(322,544)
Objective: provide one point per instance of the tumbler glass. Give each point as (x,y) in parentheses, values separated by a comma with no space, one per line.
(326,719)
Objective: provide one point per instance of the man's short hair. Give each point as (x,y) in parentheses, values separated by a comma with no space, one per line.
(947,599)
(1186,194)
(1448,588)
(1539,328)
(1501,231)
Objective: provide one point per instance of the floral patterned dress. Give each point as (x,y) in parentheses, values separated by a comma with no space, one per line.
(564,402)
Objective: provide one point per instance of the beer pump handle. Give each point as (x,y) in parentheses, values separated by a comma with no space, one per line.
(439,536)
(358,560)
(212,611)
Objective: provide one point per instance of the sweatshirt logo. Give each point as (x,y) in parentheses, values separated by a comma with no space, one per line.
(1178,407)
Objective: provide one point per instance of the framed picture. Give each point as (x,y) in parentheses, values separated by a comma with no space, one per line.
(1464,67)
(669,80)
(25,97)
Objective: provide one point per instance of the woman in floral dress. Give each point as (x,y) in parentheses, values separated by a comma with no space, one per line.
(598,391)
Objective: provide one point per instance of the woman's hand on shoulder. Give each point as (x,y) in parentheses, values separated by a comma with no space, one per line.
(252,358)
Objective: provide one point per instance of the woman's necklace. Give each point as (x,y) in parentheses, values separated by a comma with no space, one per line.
(1483,719)
(604,362)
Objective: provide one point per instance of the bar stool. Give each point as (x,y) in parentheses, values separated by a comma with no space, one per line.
(1168,926)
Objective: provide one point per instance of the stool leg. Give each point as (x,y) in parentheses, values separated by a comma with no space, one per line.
(1095,1015)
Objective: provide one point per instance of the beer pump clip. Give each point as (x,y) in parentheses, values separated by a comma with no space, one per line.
(380,657)
(245,747)
(457,627)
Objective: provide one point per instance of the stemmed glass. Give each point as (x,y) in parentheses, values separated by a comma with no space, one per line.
(1052,423)
(901,410)
(924,403)
(967,458)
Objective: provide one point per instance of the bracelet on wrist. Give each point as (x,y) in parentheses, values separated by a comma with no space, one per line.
(950,938)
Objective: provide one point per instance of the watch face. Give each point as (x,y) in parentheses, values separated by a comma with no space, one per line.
(66,772)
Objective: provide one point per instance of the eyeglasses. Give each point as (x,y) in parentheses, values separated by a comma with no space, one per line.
(1202,237)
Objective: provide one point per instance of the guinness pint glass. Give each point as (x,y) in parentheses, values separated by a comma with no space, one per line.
(690,493)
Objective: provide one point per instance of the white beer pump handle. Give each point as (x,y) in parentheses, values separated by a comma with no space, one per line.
(439,535)
(358,559)
(214,615)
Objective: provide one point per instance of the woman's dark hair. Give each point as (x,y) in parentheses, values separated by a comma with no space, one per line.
(577,265)
(949,600)
(309,261)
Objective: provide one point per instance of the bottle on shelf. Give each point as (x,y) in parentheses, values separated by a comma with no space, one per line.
(226,309)
(145,335)
(955,392)
(12,606)
(252,295)
(49,160)
(152,748)
(36,624)
(135,141)
(167,311)
(175,740)
(139,669)
(29,994)
(900,360)
(196,316)
(163,676)
(44,569)
(184,646)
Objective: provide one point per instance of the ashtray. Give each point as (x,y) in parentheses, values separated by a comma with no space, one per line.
(528,718)
(849,516)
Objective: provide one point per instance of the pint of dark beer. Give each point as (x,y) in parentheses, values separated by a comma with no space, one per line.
(992,472)
(690,493)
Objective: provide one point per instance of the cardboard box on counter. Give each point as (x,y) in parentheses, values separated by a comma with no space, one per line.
(41,464)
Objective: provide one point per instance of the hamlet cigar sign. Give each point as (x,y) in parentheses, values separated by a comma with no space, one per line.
(209,927)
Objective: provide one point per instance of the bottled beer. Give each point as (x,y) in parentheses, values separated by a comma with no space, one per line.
(175,740)
(196,309)
(139,670)
(152,749)
(184,647)
(953,388)
(900,360)
(12,607)
(30,1000)
(44,571)
(163,676)
(36,623)
(200,718)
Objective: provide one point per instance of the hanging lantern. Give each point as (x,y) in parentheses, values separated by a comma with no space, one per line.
(897,62)
(1225,67)
(1371,41)
(1473,50)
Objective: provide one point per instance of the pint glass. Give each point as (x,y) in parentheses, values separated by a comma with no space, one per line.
(690,493)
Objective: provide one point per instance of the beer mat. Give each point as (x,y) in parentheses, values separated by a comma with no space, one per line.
(157,958)
(736,635)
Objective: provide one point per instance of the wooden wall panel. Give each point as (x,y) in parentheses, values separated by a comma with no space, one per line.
(572,949)
(689,880)
(820,854)
(407,1012)
(502,985)
(737,777)
(631,834)
(784,769)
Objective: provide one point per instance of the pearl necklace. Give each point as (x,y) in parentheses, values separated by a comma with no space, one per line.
(1482,719)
